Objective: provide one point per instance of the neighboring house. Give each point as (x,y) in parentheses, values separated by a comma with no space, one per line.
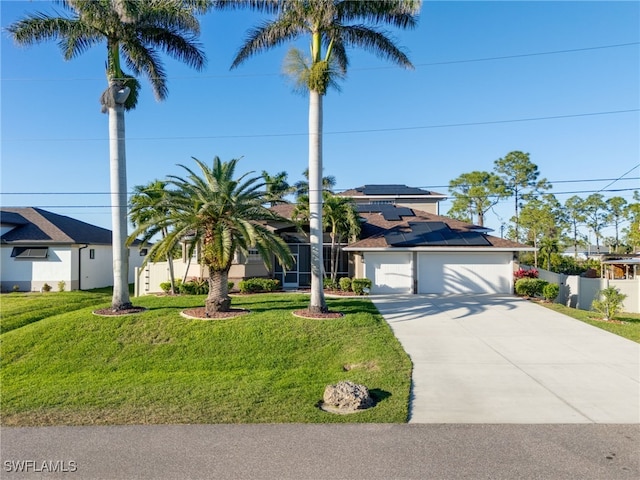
(620,266)
(38,247)
(585,253)
(402,249)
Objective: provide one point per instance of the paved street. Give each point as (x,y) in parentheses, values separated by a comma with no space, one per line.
(309,452)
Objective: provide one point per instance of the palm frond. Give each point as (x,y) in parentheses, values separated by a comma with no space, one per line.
(377,42)
(268,35)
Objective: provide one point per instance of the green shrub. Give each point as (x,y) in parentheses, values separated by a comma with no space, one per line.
(530,287)
(358,285)
(551,291)
(255,285)
(611,303)
(345,284)
(46,287)
(61,285)
(230,286)
(15,288)
(329,283)
(197,286)
(166,286)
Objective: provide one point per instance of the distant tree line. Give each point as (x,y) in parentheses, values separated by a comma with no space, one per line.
(540,219)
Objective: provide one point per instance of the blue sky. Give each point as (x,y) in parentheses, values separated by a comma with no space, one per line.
(462,108)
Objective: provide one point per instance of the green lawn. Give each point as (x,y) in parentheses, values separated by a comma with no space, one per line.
(629,328)
(61,365)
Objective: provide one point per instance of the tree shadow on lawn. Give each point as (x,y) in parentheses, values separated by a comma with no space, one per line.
(342,305)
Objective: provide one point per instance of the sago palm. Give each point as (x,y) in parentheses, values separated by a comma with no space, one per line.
(222,214)
(332,26)
(133,31)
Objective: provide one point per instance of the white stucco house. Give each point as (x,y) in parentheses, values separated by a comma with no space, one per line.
(407,247)
(38,247)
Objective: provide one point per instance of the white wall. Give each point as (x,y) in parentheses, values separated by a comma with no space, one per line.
(32,274)
(96,272)
(579,292)
(62,265)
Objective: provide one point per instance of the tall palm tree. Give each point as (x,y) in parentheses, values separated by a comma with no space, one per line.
(332,25)
(549,246)
(223,215)
(146,202)
(133,30)
(276,187)
(340,219)
(302,187)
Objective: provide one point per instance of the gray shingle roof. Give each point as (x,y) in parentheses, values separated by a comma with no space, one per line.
(34,225)
(389,189)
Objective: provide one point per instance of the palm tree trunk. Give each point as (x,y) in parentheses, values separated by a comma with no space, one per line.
(218,299)
(118,175)
(317,303)
(334,268)
(172,278)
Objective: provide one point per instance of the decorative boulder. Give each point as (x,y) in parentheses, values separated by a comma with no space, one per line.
(347,396)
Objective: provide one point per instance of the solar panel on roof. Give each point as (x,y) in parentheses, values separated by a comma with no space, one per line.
(389,212)
(434,234)
(391,190)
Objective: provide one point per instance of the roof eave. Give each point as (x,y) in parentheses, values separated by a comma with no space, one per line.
(439,249)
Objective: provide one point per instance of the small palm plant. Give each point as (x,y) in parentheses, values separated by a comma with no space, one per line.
(609,303)
(223,215)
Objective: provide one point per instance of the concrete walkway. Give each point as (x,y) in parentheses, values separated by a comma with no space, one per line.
(502,359)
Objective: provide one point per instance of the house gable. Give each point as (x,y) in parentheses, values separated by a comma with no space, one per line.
(34,225)
(399,227)
(399,195)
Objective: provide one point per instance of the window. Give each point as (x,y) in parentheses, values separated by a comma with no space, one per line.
(92,253)
(253,255)
(143,252)
(30,252)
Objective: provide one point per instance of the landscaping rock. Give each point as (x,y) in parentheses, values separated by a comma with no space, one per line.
(347,396)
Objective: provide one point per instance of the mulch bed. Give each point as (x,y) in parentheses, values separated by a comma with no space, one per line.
(200,312)
(321,316)
(108,312)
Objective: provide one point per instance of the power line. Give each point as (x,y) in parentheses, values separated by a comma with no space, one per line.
(617,190)
(520,55)
(342,190)
(555,181)
(373,130)
(620,177)
(385,67)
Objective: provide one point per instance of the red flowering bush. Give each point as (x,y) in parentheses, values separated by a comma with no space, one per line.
(523,273)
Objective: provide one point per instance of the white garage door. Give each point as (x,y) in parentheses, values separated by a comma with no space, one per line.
(465,272)
(389,272)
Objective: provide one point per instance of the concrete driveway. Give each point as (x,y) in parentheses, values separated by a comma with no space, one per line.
(502,359)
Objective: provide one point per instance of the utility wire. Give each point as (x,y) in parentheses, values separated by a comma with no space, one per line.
(619,178)
(446,201)
(385,67)
(372,130)
(339,190)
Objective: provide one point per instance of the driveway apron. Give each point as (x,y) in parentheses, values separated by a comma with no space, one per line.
(503,359)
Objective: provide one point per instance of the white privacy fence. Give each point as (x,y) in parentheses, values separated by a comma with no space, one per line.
(580,292)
